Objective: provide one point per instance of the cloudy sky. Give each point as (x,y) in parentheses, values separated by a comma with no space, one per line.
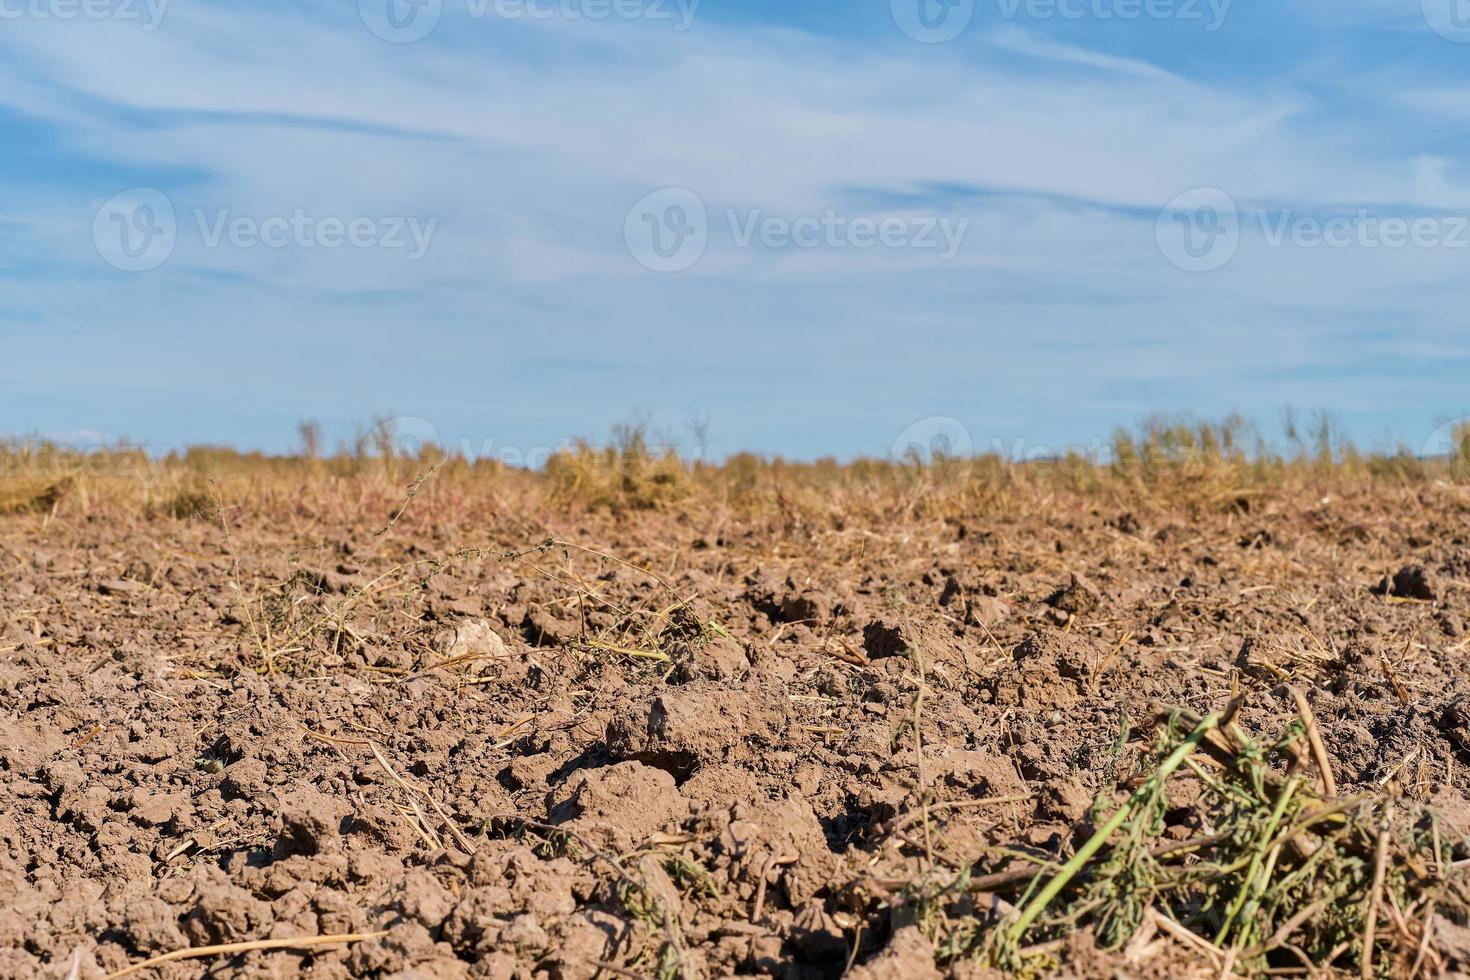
(819,225)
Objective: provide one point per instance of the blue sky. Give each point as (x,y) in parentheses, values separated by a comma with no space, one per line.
(821,225)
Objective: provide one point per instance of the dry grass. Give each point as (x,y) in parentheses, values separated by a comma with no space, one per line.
(32,495)
(228,949)
(1203,466)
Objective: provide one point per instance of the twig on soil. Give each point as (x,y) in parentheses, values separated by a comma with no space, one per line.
(965,805)
(410,791)
(772,862)
(1314,738)
(413,491)
(1182,934)
(1380,869)
(857,945)
(760,888)
(1107,661)
(1280,936)
(1428,930)
(200,952)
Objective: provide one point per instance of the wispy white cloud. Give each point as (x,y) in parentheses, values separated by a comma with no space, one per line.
(1023,42)
(529,142)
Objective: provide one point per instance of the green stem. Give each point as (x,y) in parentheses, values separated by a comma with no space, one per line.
(1249,895)
(1094,844)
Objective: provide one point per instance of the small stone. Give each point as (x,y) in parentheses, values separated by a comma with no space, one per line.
(472,639)
(156,808)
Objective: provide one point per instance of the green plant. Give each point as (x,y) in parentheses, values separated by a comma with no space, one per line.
(1280,869)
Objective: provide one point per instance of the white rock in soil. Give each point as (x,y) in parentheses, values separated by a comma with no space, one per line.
(475,638)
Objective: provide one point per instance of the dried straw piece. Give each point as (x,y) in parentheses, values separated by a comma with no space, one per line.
(200,952)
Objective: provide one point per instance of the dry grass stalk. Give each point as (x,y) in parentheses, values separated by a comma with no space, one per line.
(223,949)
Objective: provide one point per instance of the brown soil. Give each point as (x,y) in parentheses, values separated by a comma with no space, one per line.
(282,721)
